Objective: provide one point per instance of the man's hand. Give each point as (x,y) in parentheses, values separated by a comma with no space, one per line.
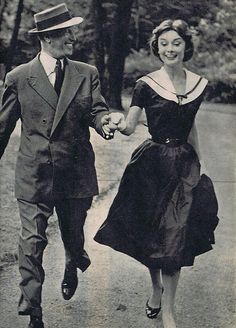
(108,127)
(112,122)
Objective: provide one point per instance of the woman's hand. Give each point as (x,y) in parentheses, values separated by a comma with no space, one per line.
(118,120)
(125,126)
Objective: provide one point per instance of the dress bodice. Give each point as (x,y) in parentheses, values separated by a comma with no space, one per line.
(168,115)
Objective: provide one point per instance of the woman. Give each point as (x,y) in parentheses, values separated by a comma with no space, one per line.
(164,213)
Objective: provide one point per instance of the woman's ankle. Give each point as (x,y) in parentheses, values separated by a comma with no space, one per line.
(155,297)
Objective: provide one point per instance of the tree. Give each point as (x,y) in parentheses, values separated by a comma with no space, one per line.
(112,29)
(14,37)
(109,22)
(119,49)
(98,14)
(3,6)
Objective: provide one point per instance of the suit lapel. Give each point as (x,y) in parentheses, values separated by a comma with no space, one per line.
(71,83)
(39,81)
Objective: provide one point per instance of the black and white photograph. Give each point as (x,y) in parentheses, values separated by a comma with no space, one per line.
(117,164)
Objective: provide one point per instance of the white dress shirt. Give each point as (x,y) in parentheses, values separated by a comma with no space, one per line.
(49,64)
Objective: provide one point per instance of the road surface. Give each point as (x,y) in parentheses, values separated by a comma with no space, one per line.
(112,293)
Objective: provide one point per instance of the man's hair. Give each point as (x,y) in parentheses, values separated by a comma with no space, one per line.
(178,25)
(53,33)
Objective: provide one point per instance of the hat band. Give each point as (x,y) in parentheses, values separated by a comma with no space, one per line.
(50,22)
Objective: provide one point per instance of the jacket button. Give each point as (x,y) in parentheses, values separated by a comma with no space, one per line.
(44,121)
(49,162)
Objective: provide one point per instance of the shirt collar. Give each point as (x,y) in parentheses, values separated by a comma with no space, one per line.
(48,62)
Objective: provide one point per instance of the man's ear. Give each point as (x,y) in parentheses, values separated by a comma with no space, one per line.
(47,38)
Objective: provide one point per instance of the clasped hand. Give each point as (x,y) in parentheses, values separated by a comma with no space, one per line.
(113,122)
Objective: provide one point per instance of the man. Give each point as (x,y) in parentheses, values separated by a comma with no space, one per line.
(57,100)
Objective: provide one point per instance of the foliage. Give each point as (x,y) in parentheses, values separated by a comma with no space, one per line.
(214,58)
(147,14)
(28,46)
(214,55)
(137,64)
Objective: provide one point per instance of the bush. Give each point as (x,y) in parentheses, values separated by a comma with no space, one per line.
(137,64)
(1,90)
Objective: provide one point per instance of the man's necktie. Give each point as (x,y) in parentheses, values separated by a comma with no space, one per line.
(59,77)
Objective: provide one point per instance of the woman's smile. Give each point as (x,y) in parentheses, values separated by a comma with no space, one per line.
(171,56)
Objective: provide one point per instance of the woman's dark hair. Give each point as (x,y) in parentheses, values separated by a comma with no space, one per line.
(178,25)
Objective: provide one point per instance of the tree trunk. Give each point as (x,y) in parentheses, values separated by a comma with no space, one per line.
(118,51)
(13,43)
(2,9)
(137,26)
(99,17)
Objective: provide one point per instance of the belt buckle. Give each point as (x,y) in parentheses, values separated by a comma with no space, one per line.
(167,140)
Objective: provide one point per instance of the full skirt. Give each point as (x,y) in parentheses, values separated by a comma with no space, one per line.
(164,213)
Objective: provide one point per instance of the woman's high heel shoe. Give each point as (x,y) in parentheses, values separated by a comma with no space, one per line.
(151,312)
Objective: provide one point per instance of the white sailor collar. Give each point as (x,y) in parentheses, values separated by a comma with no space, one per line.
(160,82)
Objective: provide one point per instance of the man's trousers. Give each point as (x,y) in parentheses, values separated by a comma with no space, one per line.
(33,240)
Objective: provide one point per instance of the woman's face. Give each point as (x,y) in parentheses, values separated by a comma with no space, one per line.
(171,48)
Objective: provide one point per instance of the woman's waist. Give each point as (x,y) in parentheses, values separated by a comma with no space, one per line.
(169,141)
(174,149)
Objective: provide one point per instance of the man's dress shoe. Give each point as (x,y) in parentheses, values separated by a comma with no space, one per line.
(69,282)
(36,322)
(24,307)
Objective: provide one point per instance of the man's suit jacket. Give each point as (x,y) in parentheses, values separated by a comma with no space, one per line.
(55,157)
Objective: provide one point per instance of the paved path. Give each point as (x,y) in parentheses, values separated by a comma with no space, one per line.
(113,291)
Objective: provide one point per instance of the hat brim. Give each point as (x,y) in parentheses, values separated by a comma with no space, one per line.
(71,22)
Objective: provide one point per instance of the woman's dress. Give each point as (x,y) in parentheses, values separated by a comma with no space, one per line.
(164,213)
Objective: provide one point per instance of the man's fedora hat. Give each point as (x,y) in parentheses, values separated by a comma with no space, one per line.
(54,18)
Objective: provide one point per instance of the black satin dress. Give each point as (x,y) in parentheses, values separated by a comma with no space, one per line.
(164,213)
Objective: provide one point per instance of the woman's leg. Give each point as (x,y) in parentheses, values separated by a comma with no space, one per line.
(155,298)
(170,283)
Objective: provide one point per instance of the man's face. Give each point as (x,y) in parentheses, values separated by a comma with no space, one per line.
(61,42)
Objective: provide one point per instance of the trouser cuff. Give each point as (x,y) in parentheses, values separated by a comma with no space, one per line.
(25,308)
(35,312)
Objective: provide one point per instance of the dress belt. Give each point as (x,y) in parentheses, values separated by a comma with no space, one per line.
(170,142)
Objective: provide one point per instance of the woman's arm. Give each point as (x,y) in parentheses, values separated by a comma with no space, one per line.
(127,126)
(193,140)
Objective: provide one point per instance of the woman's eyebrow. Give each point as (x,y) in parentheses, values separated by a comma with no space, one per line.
(164,39)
